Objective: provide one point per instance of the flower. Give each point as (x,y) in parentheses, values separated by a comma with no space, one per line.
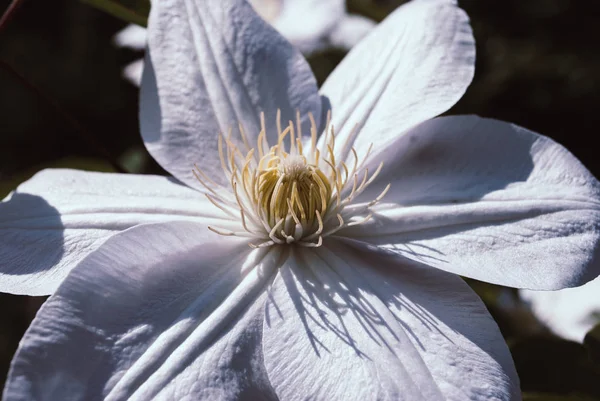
(310,25)
(134,37)
(570,313)
(280,273)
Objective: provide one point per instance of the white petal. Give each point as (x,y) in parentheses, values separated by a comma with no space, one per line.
(308,23)
(568,313)
(350,30)
(267,9)
(413,66)
(488,200)
(169,311)
(132,36)
(346,324)
(133,72)
(211,65)
(59,216)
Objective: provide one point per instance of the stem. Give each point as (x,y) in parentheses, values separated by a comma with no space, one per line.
(87,135)
(122,12)
(10,13)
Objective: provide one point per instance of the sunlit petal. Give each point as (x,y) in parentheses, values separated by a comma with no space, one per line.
(165,311)
(49,223)
(211,65)
(413,66)
(569,313)
(489,200)
(346,324)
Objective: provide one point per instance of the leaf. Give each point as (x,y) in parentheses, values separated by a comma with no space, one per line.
(552,366)
(134,11)
(135,160)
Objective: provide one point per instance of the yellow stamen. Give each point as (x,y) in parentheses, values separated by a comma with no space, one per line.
(288,196)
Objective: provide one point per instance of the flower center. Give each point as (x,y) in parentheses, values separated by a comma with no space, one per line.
(292,186)
(289,195)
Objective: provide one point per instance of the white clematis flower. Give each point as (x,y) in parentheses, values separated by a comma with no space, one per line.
(310,25)
(305,257)
(570,313)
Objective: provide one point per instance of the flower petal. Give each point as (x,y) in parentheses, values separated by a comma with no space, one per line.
(347,324)
(211,65)
(132,36)
(569,313)
(413,66)
(165,311)
(488,200)
(308,23)
(350,30)
(59,216)
(133,72)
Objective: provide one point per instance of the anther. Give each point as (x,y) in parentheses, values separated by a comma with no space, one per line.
(289,196)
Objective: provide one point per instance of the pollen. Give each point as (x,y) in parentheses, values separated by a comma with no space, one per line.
(292,191)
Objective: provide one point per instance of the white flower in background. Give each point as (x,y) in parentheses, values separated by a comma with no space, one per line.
(133,37)
(275,264)
(310,25)
(570,313)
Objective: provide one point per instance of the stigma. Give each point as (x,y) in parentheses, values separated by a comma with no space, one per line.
(289,192)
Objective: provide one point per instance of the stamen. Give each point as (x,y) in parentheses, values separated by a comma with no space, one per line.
(262,245)
(364,220)
(278,121)
(298,124)
(220,205)
(312,244)
(290,196)
(319,230)
(341,221)
(380,196)
(244,137)
(274,230)
(313,134)
(229,233)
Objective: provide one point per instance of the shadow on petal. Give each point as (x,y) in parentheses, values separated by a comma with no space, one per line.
(454,159)
(395,323)
(31,235)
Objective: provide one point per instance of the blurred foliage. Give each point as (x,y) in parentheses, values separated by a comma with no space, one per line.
(538,65)
(554,366)
(554,397)
(134,11)
(592,344)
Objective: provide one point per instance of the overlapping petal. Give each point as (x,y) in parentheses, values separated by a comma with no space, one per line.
(59,216)
(211,65)
(308,23)
(488,200)
(160,311)
(132,36)
(347,324)
(349,31)
(413,66)
(569,313)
